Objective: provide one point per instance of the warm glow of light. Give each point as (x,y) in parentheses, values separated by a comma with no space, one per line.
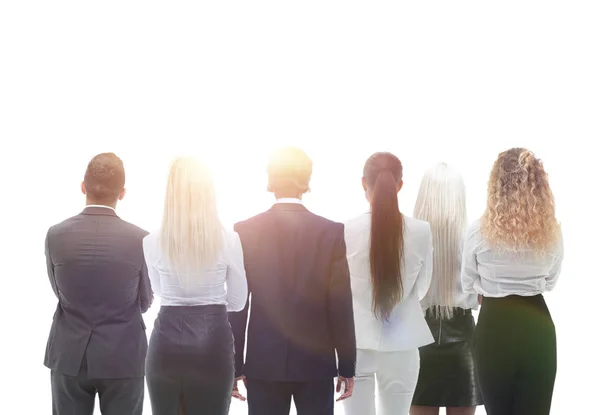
(229,83)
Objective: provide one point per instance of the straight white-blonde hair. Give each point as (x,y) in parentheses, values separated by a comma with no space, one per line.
(442,202)
(192,235)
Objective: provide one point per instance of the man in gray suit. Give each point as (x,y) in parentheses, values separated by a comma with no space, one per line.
(97,344)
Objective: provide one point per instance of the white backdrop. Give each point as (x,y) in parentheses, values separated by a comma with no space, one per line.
(457,82)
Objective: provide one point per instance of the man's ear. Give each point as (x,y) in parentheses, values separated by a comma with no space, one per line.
(83,188)
(400,185)
(364,184)
(122,194)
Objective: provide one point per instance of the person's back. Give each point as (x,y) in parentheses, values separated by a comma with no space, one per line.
(221,283)
(390,259)
(404,326)
(447,377)
(197,269)
(301,304)
(288,254)
(96,267)
(512,255)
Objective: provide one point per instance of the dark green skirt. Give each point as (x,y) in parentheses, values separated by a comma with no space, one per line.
(447,377)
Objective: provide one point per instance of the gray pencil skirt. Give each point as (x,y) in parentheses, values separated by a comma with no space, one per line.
(191,360)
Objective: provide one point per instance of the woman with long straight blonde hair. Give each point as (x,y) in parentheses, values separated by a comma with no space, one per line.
(512,255)
(196,267)
(447,377)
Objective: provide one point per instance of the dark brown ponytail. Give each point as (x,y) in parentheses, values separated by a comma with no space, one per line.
(382,175)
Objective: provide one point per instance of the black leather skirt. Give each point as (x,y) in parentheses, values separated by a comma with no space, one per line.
(447,377)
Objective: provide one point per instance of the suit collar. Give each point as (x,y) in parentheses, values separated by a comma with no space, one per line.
(99,210)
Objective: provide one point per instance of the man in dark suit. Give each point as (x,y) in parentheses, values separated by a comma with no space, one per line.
(300,301)
(96,267)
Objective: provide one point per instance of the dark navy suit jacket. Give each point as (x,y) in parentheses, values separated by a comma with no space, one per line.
(97,270)
(300,298)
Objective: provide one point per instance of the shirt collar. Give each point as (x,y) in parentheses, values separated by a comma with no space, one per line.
(289,200)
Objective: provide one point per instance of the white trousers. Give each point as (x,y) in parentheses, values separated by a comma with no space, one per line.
(395,375)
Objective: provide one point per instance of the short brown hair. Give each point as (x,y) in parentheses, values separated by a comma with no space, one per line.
(289,170)
(104,178)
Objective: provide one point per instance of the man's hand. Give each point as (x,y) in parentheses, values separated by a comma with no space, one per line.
(236,392)
(348,387)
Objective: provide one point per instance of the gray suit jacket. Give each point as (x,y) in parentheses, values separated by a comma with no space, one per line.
(97,271)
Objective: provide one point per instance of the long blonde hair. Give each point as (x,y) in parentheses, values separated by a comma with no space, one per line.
(520,212)
(191,236)
(442,202)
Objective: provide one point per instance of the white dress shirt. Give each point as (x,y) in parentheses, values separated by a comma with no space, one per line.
(493,273)
(406,328)
(225,283)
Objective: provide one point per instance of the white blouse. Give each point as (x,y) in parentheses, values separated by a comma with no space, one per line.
(225,283)
(467,301)
(494,273)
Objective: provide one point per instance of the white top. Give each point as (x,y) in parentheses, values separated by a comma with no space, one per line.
(462,299)
(289,200)
(406,328)
(467,301)
(494,273)
(225,283)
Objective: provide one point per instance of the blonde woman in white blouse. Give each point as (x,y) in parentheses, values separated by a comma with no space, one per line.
(512,255)
(447,378)
(196,267)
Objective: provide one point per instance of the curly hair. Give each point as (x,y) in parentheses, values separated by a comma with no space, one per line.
(520,210)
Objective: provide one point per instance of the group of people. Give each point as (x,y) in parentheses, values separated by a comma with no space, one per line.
(288,301)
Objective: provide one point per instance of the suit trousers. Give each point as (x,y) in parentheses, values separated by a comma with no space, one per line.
(77,395)
(395,376)
(275,398)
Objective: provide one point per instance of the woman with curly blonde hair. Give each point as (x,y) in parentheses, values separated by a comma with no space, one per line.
(512,255)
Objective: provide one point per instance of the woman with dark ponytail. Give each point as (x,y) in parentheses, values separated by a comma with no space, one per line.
(390,259)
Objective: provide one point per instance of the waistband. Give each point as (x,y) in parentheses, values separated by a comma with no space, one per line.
(534,301)
(218,309)
(456,311)
(539,298)
(514,306)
